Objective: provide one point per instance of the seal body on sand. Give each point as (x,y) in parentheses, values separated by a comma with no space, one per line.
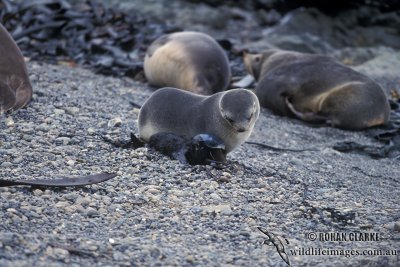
(191,61)
(15,87)
(316,88)
(228,115)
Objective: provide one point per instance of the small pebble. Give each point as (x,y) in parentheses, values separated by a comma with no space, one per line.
(91,212)
(115,122)
(71,110)
(10,122)
(59,111)
(396,227)
(6,164)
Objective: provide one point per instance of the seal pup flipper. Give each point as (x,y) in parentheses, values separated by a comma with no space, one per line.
(22,90)
(7,98)
(245,82)
(13,73)
(62,182)
(306,116)
(169,144)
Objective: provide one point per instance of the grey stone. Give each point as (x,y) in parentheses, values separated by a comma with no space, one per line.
(6,164)
(396,226)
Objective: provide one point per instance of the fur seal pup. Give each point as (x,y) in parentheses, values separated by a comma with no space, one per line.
(228,115)
(15,87)
(316,88)
(191,61)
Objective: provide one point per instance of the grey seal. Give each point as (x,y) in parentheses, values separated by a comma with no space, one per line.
(228,115)
(15,87)
(316,88)
(191,61)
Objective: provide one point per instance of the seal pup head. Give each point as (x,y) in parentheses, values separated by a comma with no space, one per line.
(240,109)
(254,62)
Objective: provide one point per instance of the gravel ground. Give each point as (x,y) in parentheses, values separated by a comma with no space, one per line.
(158,212)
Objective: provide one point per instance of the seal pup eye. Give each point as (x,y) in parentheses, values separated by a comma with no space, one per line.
(252,113)
(231,121)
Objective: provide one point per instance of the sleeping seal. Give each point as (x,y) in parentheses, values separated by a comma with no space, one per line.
(191,61)
(316,88)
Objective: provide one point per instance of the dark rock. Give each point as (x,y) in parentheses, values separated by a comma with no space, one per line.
(309,29)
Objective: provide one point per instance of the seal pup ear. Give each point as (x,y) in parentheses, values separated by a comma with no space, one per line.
(252,63)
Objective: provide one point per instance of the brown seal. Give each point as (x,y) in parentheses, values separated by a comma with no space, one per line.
(316,88)
(191,61)
(15,87)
